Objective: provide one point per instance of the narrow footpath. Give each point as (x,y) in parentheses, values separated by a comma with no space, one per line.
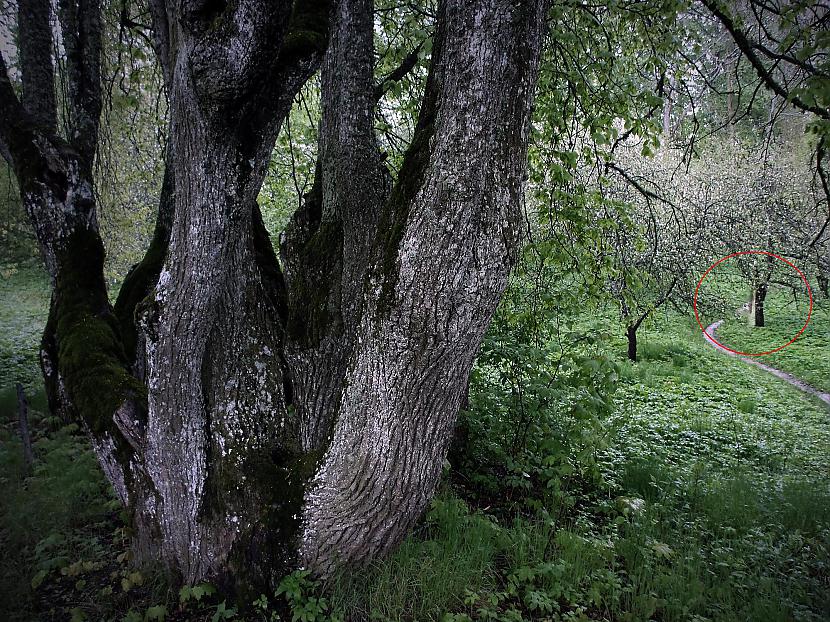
(796,382)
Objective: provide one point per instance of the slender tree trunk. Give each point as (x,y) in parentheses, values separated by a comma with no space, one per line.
(730,102)
(23,428)
(759,295)
(631,333)
(667,110)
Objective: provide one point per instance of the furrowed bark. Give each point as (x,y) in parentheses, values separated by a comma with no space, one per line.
(447,239)
(326,248)
(80,22)
(221,445)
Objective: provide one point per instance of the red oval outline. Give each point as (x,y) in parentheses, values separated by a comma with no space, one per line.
(719,344)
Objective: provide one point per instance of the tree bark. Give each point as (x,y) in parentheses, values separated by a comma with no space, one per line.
(631,334)
(326,248)
(220,443)
(447,238)
(251,420)
(33,18)
(347,376)
(84,365)
(759,295)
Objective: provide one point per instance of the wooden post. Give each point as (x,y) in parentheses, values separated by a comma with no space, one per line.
(23,424)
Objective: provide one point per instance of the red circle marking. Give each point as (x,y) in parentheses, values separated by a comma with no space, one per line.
(721,260)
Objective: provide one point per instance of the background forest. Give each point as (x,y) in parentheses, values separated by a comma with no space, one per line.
(608,462)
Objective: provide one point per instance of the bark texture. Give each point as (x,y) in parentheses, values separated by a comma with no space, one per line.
(448,237)
(220,443)
(631,334)
(253,419)
(326,248)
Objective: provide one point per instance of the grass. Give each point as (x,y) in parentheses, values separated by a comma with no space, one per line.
(24,290)
(715,506)
(807,358)
(702,495)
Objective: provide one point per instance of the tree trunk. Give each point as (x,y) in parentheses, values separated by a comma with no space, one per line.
(759,294)
(220,445)
(667,110)
(631,333)
(731,113)
(824,284)
(23,428)
(447,238)
(305,418)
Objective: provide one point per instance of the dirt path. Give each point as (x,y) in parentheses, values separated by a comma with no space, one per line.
(798,384)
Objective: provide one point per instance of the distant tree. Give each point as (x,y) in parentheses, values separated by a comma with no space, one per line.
(785,42)
(766,203)
(665,242)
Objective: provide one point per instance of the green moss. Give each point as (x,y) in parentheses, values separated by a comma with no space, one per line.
(267,549)
(48,344)
(91,357)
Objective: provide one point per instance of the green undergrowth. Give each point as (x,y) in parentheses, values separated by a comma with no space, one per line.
(64,542)
(686,487)
(701,495)
(808,357)
(24,291)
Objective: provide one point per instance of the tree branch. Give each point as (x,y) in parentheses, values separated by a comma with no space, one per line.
(825,184)
(161,38)
(16,126)
(81,31)
(748,50)
(33,18)
(409,62)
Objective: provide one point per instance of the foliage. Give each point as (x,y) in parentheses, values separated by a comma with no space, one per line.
(24,290)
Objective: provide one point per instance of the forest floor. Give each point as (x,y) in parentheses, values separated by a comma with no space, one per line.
(691,488)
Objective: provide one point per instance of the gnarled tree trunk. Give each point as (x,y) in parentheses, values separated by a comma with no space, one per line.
(302,418)
(446,240)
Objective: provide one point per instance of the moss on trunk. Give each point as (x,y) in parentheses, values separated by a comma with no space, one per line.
(91,358)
